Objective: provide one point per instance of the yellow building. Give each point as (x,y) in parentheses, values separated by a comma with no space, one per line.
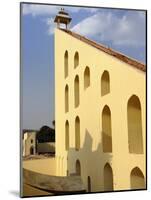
(100,114)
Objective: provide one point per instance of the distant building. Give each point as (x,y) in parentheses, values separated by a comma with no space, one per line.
(39,142)
(100,113)
(29,142)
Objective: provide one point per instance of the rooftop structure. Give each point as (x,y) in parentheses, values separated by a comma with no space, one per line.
(62,18)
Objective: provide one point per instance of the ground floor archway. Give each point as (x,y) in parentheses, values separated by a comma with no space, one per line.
(137,179)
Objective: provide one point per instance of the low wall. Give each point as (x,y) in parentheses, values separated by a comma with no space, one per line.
(44,166)
(47,147)
(55,184)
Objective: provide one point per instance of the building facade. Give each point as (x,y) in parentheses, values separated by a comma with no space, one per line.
(100,114)
(29,143)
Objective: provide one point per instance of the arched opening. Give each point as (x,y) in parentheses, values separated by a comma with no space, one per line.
(66,64)
(86,77)
(134,117)
(137,179)
(89,184)
(106,130)
(76,91)
(78,168)
(108,178)
(31,150)
(105,83)
(66,98)
(77,133)
(76,59)
(67,135)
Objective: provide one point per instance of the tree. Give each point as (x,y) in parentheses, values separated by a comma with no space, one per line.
(46,134)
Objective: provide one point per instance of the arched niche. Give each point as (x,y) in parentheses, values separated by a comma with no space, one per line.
(134,118)
(66,64)
(89,184)
(66,98)
(76,91)
(67,135)
(106,129)
(86,77)
(76,59)
(137,179)
(78,168)
(108,178)
(77,133)
(105,83)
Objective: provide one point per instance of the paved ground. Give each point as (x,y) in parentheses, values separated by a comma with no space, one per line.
(31,191)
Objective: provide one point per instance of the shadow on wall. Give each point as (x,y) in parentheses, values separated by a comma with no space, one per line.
(93,166)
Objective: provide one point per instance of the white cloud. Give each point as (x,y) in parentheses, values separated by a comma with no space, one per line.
(51,11)
(128,29)
(35,10)
(78,9)
(51,26)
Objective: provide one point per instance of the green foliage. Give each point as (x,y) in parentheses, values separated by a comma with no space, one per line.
(46,134)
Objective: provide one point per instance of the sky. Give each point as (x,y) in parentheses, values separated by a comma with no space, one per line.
(122,30)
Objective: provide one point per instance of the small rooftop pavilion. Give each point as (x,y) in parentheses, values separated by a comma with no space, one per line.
(62,18)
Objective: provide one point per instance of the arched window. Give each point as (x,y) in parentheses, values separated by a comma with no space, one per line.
(31,150)
(66,98)
(106,129)
(137,179)
(77,133)
(86,77)
(78,168)
(67,135)
(108,178)
(89,184)
(134,117)
(105,83)
(76,91)
(66,64)
(76,59)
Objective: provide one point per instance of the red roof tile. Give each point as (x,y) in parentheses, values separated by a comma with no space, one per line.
(109,51)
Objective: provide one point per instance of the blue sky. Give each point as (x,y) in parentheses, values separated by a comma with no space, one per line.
(122,30)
